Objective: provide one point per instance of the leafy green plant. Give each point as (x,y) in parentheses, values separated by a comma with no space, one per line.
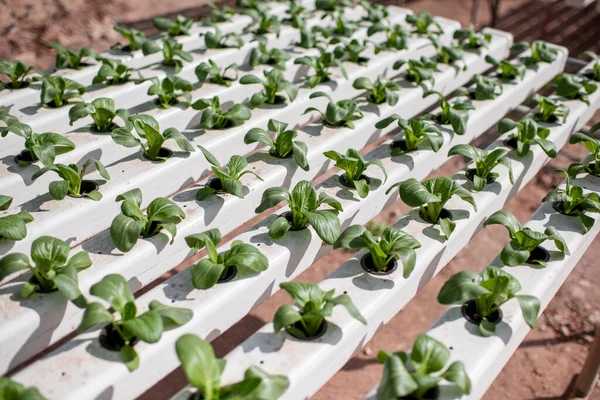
(136,40)
(58,91)
(484,162)
(181,25)
(228,181)
(540,52)
(210,72)
(321,65)
(523,241)
(456,113)
(351,48)
(39,146)
(485,88)
(341,113)
(507,71)
(593,146)
(13,227)
(354,167)
(103,112)
(203,370)
(594,72)
(305,318)
(431,196)
(66,58)
(122,335)
(489,291)
(219,15)
(173,54)
(218,40)
(262,23)
(392,244)
(112,72)
(574,87)
(273,83)
(52,269)
(169,90)
(418,71)
(418,375)
(244,258)
(469,39)
(297,14)
(379,91)
(148,130)
(424,24)
(133,223)
(214,117)
(549,110)
(375,12)
(11,390)
(263,55)
(72,183)
(342,27)
(257,5)
(308,37)
(447,54)
(527,133)
(415,132)
(330,6)
(396,37)
(304,204)
(284,145)
(572,201)
(17,72)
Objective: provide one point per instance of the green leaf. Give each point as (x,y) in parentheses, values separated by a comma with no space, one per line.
(414,194)
(115,290)
(49,253)
(147,327)
(247,258)
(429,355)
(12,227)
(94,314)
(161,209)
(279,228)
(286,315)
(12,263)
(326,223)
(461,287)
(202,369)
(396,381)
(66,282)
(271,197)
(344,300)
(129,357)
(171,316)
(125,231)
(486,328)
(206,274)
(530,306)
(457,374)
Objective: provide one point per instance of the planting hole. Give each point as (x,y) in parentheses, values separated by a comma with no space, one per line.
(86,187)
(558,206)
(469,311)
(470,173)
(163,152)
(431,394)
(538,254)
(111,340)
(288,216)
(25,157)
(228,274)
(216,184)
(399,144)
(349,184)
(366,262)
(443,214)
(274,154)
(34,281)
(320,332)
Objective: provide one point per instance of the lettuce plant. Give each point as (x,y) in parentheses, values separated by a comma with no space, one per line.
(13,226)
(392,244)
(203,371)
(351,48)
(297,14)
(52,268)
(330,6)
(527,134)
(418,71)
(485,88)
(484,162)
(283,146)
(123,334)
(487,292)
(181,25)
(72,182)
(375,12)
(148,130)
(210,72)
(304,204)
(354,167)
(415,132)
(593,146)
(507,71)
(337,114)
(417,376)
(263,55)
(380,91)
(11,390)
(103,112)
(574,87)
(396,37)
(17,72)
(572,201)
(241,259)
(456,113)
(112,72)
(548,110)
(133,223)
(424,24)
(469,39)
(447,54)
(594,72)
(66,58)
(273,83)
(136,40)
(308,37)
(540,52)
(38,146)
(214,117)
(321,65)
(227,181)
(58,91)
(218,40)
(173,54)
(431,196)
(169,90)
(262,23)
(524,241)
(342,27)
(306,318)
(217,15)
(257,5)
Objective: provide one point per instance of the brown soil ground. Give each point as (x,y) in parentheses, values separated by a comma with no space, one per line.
(550,356)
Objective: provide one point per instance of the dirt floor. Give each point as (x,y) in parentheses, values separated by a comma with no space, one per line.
(550,356)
